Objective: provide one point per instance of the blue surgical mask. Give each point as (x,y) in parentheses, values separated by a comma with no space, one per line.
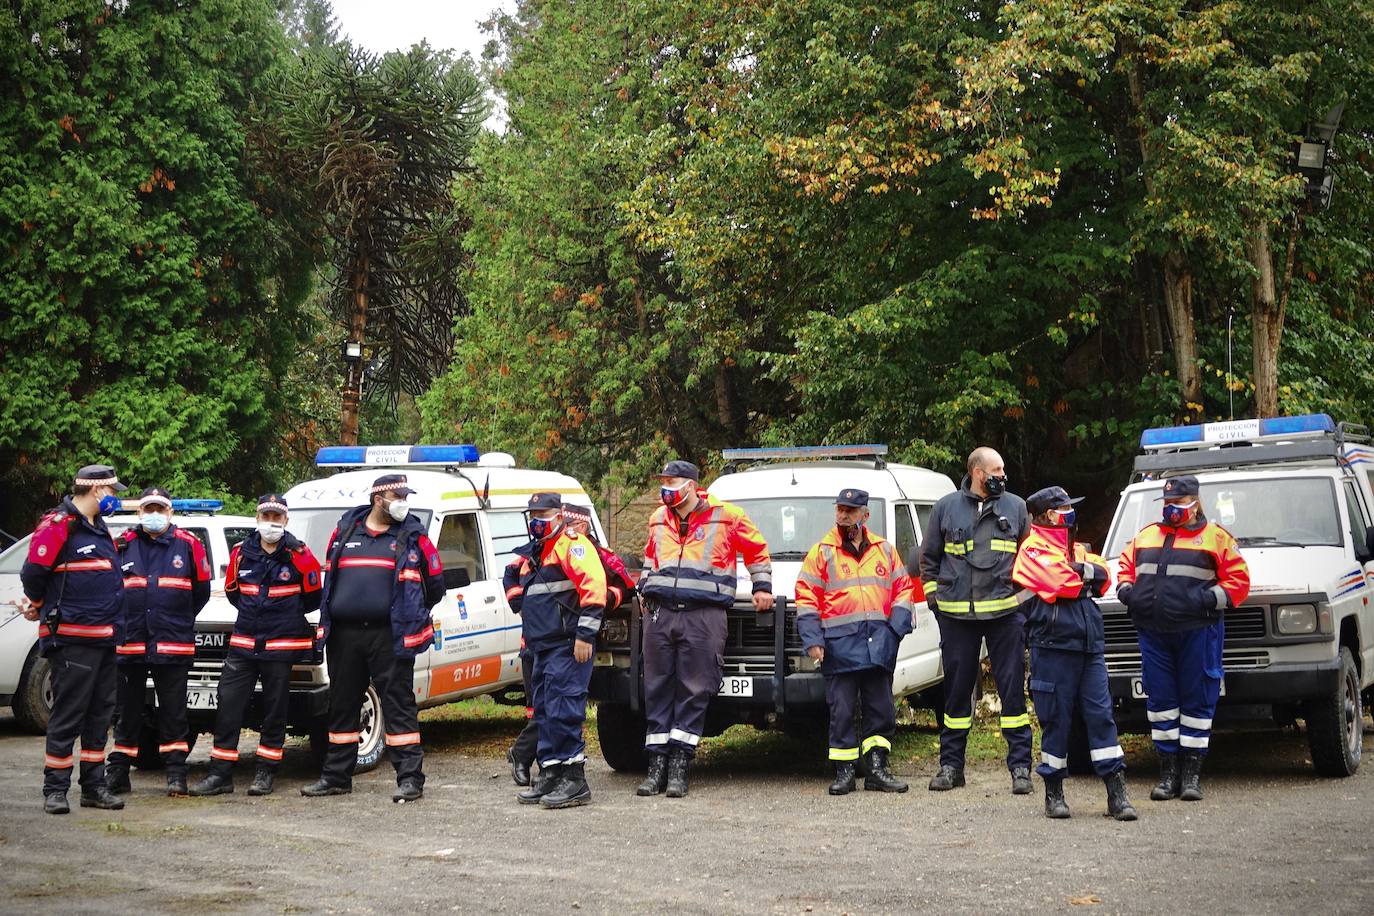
(109,504)
(1176,514)
(155,522)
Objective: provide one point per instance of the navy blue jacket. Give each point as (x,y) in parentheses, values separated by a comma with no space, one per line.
(166,583)
(272,592)
(72,578)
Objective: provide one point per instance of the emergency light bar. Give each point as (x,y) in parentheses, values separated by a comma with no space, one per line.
(804,451)
(352,456)
(1305,425)
(197,505)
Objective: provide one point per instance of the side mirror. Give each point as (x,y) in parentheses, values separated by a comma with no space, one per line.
(457,578)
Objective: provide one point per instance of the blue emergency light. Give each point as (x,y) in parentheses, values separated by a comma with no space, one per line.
(804,451)
(352,456)
(197,505)
(1238,430)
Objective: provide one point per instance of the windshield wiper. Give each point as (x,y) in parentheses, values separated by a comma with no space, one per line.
(1261,541)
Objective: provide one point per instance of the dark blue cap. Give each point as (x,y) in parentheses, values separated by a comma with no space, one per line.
(546,501)
(272,502)
(679,468)
(99,475)
(1175,487)
(391,483)
(155,495)
(855,499)
(1050,498)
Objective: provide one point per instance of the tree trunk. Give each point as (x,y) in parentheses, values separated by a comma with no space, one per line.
(1267,312)
(1178,305)
(353,374)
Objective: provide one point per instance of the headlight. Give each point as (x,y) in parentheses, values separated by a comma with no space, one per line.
(1296,619)
(615,632)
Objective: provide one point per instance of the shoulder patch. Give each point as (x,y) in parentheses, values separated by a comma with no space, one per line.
(578,552)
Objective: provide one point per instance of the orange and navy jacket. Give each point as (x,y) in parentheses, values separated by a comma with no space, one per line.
(1183,578)
(72,578)
(561,596)
(857,607)
(693,564)
(419,583)
(1061,579)
(272,592)
(166,583)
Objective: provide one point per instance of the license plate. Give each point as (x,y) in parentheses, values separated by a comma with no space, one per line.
(1138,688)
(201,698)
(737,687)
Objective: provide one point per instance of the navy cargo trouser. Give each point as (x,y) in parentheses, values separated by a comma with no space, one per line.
(83,700)
(169,685)
(683,655)
(846,693)
(356,654)
(526,743)
(1063,683)
(960,642)
(560,702)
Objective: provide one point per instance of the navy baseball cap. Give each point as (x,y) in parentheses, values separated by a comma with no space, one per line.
(541,501)
(1050,498)
(99,475)
(679,468)
(272,502)
(391,483)
(1175,487)
(155,496)
(855,499)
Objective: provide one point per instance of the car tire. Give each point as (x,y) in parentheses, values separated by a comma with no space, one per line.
(32,703)
(621,733)
(371,747)
(1335,724)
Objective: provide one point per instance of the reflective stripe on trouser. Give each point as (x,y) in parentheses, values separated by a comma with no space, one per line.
(1065,683)
(357,655)
(83,698)
(960,643)
(236,681)
(1182,674)
(866,693)
(682,666)
(526,746)
(560,694)
(169,686)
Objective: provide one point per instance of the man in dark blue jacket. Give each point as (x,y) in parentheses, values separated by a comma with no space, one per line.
(382,576)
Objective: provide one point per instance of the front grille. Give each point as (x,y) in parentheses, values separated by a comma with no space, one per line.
(1246,622)
(749,645)
(1231,660)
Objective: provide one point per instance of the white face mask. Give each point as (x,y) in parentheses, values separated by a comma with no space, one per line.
(271,532)
(399,509)
(155,522)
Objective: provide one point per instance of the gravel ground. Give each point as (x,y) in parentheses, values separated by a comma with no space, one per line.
(1270,837)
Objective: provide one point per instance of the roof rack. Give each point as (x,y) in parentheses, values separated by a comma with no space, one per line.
(736,458)
(1242,443)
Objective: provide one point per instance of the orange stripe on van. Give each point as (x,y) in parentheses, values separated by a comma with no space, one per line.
(463,675)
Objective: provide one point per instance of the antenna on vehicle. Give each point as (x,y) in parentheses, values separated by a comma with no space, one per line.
(1230,389)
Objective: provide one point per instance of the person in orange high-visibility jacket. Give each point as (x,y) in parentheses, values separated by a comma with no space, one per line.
(1068,668)
(1178,577)
(688,584)
(855,602)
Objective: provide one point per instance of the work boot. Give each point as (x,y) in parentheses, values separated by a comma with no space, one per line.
(877,776)
(543,784)
(100,797)
(519,769)
(262,782)
(56,803)
(117,778)
(176,787)
(1191,783)
(1021,781)
(1055,806)
(408,790)
(572,789)
(1118,805)
(844,778)
(1168,779)
(678,761)
(213,784)
(657,778)
(948,778)
(319,789)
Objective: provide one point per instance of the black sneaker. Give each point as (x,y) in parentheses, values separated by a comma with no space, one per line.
(262,782)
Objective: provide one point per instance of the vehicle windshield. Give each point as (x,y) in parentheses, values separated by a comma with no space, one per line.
(12,560)
(1264,512)
(314,526)
(792,525)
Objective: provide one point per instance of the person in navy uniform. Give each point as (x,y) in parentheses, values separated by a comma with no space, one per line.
(166,583)
(273,580)
(71,581)
(382,577)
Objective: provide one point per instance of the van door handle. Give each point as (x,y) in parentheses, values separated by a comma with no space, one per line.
(489,599)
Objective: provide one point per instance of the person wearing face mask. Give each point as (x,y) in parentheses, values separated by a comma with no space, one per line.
(166,583)
(559,585)
(1068,670)
(855,602)
(273,580)
(71,580)
(965,562)
(1178,577)
(382,577)
(688,582)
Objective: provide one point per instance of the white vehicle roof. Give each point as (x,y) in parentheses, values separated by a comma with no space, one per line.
(828,478)
(456,488)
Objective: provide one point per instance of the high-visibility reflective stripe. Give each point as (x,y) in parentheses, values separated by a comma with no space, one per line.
(403,739)
(1059,763)
(415,639)
(683,737)
(1003,545)
(1106,753)
(73,629)
(804,609)
(873,741)
(59,763)
(345,737)
(549,588)
(243,642)
(1164,734)
(174,582)
(858,581)
(851,617)
(1223,599)
(85,566)
(131,648)
(844,753)
(409,575)
(96,756)
(1194,741)
(182,746)
(269,753)
(283,591)
(1190,572)
(580,758)
(125,749)
(930,587)
(135,582)
(1163,715)
(176,648)
(996,604)
(656,738)
(958,721)
(958,548)
(810,579)
(288,645)
(248,588)
(224,753)
(374,562)
(1192,722)
(589,623)
(1021,721)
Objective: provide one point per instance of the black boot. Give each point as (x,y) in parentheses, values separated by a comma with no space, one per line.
(1168,779)
(56,803)
(657,778)
(117,778)
(543,784)
(519,769)
(572,789)
(318,789)
(408,790)
(176,786)
(213,784)
(1191,784)
(877,776)
(1021,781)
(678,762)
(262,782)
(100,797)
(1055,806)
(948,778)
(1118,805)
(844,778)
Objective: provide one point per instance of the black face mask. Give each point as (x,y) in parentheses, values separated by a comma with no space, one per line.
(995,486)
